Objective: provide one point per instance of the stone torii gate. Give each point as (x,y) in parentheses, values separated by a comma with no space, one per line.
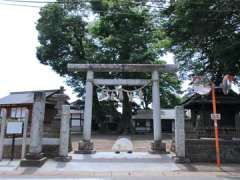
(86,146)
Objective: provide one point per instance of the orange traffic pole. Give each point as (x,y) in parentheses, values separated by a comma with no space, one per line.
(216,126)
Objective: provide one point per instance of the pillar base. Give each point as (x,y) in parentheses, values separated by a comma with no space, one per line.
(181,159)
(85,147)
(33,160)
(63,158)
(157,147)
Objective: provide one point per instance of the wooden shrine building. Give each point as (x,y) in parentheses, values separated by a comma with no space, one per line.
(200,142)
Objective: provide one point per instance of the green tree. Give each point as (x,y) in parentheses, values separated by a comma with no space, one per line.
(122,31)
(205,36)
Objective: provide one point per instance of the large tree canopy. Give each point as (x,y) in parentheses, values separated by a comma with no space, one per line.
(205,36)
(104,31)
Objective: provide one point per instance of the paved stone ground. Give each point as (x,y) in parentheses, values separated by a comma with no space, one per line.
(101,163)
(104,143)
(108,165)
(179,176)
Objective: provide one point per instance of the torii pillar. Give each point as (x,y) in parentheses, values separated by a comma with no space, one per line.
(156,146)
(86,145)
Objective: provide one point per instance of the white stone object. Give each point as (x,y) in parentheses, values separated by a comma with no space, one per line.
(64,130)
(122,67)
(88,107)
(37,123)
(180,132)
(157,129)
(122,145)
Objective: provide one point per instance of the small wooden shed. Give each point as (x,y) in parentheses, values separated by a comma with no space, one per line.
(16,103)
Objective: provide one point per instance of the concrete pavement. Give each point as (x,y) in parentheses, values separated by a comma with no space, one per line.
(178,176)
(108,165)
(101,162)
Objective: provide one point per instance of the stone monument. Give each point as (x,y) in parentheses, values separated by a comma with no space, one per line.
(61,99)
(123,145)
(35,157)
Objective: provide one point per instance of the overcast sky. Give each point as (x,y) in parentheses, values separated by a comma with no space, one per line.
(19,67)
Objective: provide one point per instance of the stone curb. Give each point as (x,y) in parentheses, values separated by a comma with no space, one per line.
(112,174)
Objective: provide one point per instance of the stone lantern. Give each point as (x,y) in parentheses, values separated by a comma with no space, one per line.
(60,99)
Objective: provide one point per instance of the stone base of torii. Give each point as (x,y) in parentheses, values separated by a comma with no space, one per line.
(157,147)
(85,147)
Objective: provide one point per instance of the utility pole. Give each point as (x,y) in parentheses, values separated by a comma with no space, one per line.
(215,119)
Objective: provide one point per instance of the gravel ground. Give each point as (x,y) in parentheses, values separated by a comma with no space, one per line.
(104,143)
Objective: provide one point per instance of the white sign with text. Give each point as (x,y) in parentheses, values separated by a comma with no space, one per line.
(14,127)
(215,116)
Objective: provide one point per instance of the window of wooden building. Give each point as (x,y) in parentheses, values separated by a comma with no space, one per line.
(18,113)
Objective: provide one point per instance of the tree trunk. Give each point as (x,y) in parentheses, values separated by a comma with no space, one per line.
(145,99)
(126,126)
(98,116)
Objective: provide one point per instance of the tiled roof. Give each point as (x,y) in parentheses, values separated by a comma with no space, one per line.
(23,97)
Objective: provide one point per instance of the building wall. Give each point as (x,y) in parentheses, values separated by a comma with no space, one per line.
(200,143)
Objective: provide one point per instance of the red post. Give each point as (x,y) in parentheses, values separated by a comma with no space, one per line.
(216,126)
